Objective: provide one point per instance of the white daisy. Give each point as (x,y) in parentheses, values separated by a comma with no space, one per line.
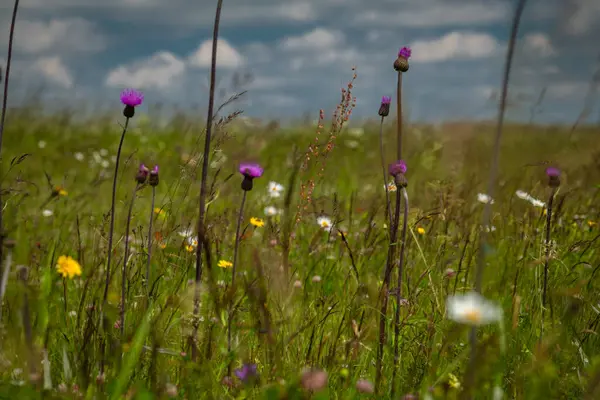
(105,164)
(47,213)
(103,152)
(484,198)
(356,132)
(537,203)
(271,211)
(192,241)
(41,144)
(324,223)
(391,187)
(353,144)
(79,156)
(186,233)
(472,309)
(275,189)
(522,195)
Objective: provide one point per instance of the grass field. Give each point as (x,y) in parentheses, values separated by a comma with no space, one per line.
(325,315)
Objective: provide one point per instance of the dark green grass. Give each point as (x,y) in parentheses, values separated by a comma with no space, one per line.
(331,324)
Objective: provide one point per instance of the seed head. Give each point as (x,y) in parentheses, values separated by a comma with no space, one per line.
(131,98)
(384,109)
(153,178)
(401,63)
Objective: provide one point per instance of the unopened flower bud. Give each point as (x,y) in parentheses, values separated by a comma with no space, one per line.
(153,178)
(401,63)
(384,109)
(553,174)
(142,174)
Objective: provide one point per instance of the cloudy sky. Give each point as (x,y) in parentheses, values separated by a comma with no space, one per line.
(299,53)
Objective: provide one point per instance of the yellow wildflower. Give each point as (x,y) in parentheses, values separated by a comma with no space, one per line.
(59,191)
(162,245)
(189,248)
(225,264)
(257,222)
(591,224)
(421,230)
(453,381)
(68,267)
(160,212)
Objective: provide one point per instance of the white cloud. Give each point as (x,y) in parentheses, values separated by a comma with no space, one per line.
(457,45)
(53,69)
(72,35)
(157,71)
(432,13)
(319,38)
(227,55)
(582,15)
(539,44)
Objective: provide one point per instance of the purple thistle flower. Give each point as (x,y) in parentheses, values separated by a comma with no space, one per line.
(405,52)
(552,171)
(246,373)
(397,168)
(386,100)
(250,171)
(132,97)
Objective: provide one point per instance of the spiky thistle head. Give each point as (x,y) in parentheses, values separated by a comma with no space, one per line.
(250,172)
(401,63)
(131,98)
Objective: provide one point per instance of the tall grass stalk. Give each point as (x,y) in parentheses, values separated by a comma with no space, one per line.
(547,248)
(5,274)
(125,261)
(388,211)
(3,115)
(204,179)
(399,291)
(147,275)
(487,211)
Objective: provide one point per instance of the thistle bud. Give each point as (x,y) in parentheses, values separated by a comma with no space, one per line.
(153,178)
(401,63)
(553,174)
(142,174)
(384,109)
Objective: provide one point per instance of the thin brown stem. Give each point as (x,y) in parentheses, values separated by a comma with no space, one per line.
(125,259)
(147,276)
(3,115)
(388,210)
(399,114)
(399,291)
(204,179)
(487,211)
(547,256)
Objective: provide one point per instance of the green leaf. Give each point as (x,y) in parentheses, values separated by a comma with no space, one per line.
(132,358)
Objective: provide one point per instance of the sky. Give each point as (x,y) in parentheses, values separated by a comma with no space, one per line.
(294,56)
